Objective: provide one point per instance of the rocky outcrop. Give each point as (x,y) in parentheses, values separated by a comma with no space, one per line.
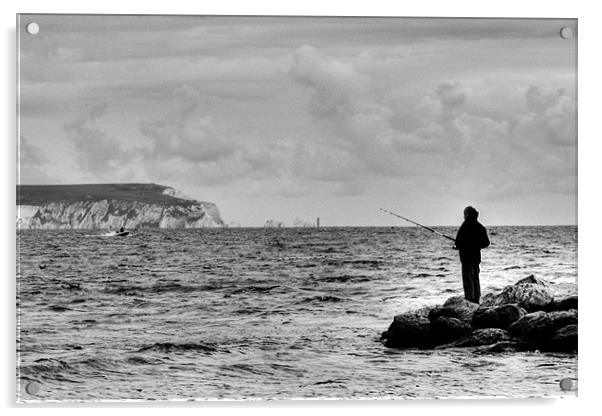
(518,318)
(110,207)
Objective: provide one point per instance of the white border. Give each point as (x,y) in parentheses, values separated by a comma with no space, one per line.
(590,92)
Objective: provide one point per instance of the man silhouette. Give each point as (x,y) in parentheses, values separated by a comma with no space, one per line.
(471,238)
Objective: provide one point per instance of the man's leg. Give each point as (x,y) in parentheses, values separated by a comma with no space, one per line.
(476,284)
(467,281)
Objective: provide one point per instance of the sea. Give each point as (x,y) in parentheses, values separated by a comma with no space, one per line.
(253,313)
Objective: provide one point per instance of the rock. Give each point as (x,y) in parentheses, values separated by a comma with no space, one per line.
(532,280)
(488,300)
(444,330)
(480,337)
(536,329)
(497,316)
(564,340)
(565,304)
(462,309)
(407,330)
(529,296)
(442,311)
(459,302)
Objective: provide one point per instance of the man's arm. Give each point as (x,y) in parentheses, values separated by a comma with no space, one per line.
(460,237)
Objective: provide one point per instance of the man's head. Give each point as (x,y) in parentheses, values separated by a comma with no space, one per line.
(470,213)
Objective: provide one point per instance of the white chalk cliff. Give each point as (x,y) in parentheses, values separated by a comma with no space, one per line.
(98,207)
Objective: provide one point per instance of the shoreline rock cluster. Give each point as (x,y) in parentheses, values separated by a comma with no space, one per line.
(522,317)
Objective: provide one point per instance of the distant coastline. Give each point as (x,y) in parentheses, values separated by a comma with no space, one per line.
(110,206)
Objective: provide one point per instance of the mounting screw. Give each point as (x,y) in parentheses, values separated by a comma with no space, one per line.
(566,32)
(568,384)
(32,28)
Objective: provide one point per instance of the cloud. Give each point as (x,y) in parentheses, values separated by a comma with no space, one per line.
(32,163)
(450,95)
(530,149)
(538,102)
(552,115)
(30,154)
(96,152)
(346,103)
(335,84)
(449,136)
(186,145)
(377,130)
(450,139)
(185,133)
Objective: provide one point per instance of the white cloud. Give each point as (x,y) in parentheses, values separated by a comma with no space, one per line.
(32,163)
(449,135)
(185,133)
(96,152)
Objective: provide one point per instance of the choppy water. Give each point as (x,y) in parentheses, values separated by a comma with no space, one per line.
(265,313)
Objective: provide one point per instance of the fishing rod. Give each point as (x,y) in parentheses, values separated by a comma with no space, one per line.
(420,225)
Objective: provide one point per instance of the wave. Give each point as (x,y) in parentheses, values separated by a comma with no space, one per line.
(173,347)
(75,371)
(318,383)
(323,298)
(512,267)
(358,262)
(364,262)
(344,278)
(254,289)
(137,360)
(59,308)
(135,290)
(246,368)
(248,311)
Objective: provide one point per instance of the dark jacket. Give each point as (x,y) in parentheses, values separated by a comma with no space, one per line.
(471,238)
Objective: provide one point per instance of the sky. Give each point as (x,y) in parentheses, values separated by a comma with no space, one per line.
(297,118)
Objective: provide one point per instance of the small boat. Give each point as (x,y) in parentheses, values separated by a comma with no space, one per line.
(117,234)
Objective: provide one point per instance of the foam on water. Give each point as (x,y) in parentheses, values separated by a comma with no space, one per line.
(258,313)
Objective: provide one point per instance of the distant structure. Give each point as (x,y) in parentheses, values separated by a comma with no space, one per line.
(299,223)
(273,224)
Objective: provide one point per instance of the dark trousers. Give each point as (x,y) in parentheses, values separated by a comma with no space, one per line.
(470,280)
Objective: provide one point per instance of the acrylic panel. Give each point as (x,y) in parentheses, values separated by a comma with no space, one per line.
(239,207)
